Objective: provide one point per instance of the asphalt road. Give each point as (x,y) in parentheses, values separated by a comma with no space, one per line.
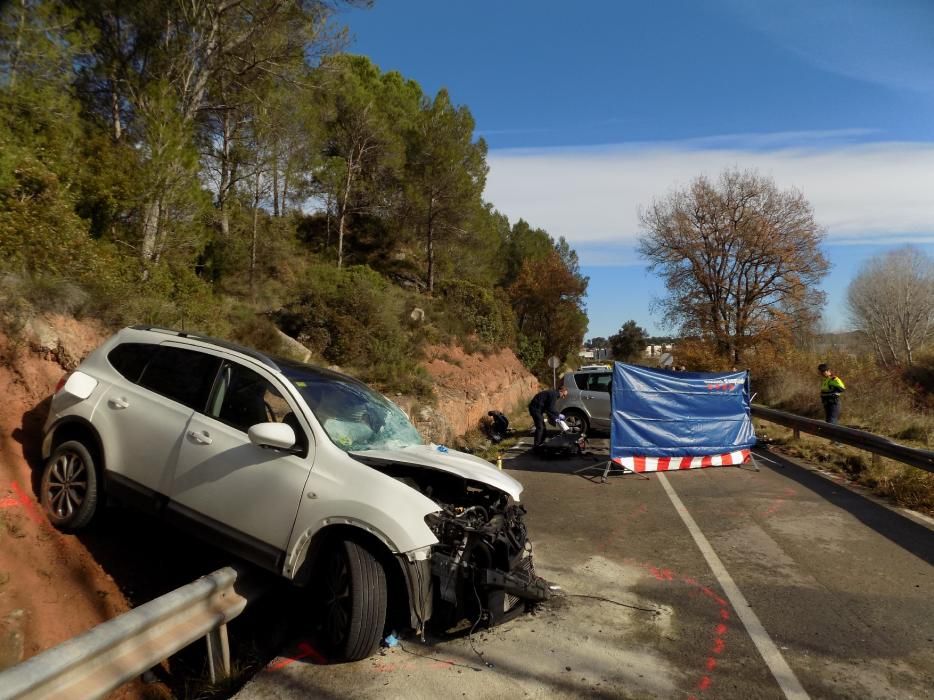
(714,583)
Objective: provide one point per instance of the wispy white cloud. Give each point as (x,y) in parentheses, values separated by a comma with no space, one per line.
(861,192)
(887,43)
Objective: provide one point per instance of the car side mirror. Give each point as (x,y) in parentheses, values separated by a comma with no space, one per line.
(279,436)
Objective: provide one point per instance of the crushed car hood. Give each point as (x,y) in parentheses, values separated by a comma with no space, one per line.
(454,462)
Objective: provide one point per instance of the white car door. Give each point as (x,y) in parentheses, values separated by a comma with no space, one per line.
(143,416)
(246,494)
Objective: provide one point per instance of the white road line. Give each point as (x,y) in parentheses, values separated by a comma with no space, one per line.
(780,669)
(759,455)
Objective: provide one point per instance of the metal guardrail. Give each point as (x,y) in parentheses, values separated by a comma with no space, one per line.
(114,652)
(922,459)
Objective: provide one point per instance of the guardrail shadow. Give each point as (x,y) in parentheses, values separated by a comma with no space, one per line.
(899,529)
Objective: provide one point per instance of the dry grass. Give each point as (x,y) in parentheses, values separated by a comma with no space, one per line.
(907,486)
(876,400)
(884,402)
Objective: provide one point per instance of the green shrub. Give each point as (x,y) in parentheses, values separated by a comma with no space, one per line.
(530,351)
(467,309)
(355,319)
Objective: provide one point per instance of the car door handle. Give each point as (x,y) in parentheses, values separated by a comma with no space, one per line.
(201,438)
(119,403)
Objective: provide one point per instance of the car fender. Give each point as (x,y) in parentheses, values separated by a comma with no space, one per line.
(70,421)
(394,515)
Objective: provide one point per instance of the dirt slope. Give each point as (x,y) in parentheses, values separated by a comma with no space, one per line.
(469,385)
(51,588)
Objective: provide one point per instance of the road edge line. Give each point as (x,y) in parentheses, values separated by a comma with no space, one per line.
(773,658)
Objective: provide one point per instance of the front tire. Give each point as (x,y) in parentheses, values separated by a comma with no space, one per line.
(354,598)
(69,490)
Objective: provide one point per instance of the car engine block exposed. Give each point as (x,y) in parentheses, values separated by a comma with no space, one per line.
(482,564)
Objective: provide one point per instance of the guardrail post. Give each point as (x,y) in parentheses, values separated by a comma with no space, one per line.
(218,654)
(876,461)
(796,434)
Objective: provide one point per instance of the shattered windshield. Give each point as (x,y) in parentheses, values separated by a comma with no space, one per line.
(355,417)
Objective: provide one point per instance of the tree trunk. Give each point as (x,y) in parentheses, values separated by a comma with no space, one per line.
(226,182)
(343,215)
(275,181)
(254,236)
(151,218)
(115,108)
(431,251)
(18,45)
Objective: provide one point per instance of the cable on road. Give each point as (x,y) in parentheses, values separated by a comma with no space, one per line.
(435,658)
(614,602)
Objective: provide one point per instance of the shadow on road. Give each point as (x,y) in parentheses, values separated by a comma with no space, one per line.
(529,462)
(906,533)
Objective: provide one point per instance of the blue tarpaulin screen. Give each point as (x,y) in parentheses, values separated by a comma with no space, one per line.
(660,413)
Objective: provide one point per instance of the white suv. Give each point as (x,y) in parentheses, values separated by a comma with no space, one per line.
(301,470)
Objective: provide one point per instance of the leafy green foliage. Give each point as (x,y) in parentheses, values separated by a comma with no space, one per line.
(221,167)
(629,342)
(548,302)
(474,310)
(352,318)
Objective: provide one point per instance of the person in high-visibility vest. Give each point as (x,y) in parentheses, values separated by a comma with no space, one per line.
(831,388)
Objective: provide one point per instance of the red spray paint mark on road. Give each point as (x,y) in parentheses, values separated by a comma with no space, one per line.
(695,589)
(776,504)
(305,651)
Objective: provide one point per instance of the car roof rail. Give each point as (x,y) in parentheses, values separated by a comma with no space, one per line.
(226,344)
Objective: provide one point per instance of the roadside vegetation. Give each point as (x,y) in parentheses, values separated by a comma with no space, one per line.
(228,168)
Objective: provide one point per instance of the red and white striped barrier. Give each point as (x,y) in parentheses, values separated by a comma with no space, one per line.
(670,464)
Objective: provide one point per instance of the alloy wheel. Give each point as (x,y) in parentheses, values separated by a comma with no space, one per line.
(67,485)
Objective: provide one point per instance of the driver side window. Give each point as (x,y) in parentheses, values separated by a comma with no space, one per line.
(243,398)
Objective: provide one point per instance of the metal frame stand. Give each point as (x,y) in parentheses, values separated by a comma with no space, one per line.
(752,458)
(610,467)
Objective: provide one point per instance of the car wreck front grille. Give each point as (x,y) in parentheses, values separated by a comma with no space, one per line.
(525,570)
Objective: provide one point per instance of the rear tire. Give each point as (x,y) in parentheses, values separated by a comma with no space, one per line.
(354,599)
(69,490)
(576,420)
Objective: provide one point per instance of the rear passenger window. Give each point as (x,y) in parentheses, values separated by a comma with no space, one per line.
(181,375)
(129,359)
(600,382)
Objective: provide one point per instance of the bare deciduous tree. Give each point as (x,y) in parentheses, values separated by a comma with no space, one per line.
(740,258)
(891,300)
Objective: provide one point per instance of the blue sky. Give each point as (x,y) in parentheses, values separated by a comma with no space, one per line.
(590,114)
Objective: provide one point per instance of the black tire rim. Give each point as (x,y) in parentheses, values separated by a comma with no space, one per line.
(67,487)
(338,599)
(575,422)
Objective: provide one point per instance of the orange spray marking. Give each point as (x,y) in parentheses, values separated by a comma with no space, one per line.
(28,505)
(305,651)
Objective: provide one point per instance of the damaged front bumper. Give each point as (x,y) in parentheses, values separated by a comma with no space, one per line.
(482,566)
